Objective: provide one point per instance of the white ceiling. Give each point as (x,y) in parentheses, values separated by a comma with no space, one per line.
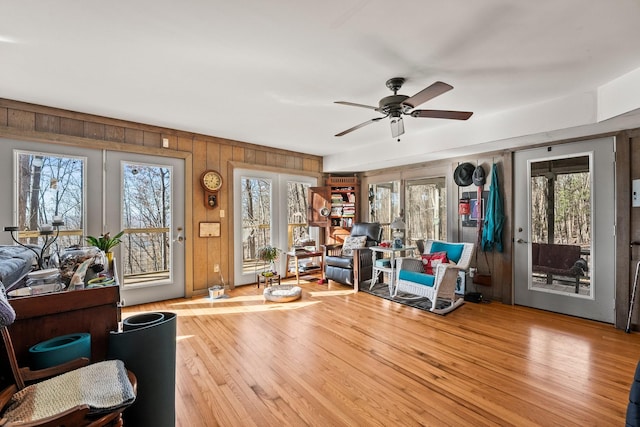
(267,72)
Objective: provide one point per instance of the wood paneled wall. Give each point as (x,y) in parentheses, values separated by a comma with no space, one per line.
(499,263)
(29,122)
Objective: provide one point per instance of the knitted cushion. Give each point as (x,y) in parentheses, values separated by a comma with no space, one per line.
(412,264)
(351,243)
(104,386)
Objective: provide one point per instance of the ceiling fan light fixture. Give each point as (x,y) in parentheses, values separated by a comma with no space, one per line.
(397,127)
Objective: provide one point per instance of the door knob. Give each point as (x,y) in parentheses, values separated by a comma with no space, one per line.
(180,237)
(521,241)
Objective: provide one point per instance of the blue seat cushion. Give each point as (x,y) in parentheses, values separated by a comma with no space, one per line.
(453,250)
(415,277)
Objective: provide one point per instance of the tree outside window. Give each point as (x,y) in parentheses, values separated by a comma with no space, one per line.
(50,186)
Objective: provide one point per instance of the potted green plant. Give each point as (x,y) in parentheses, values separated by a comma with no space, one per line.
(268,254)
(105,243)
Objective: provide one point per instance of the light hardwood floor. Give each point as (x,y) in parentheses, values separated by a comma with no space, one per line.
(338,358)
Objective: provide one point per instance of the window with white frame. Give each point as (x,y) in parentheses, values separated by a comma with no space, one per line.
(426,208)
(384,204)
(50,188)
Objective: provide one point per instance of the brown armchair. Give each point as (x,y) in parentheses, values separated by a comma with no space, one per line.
(357,267)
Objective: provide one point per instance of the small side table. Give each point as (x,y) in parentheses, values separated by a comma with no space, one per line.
(298,255)
(391,270)
(268,280)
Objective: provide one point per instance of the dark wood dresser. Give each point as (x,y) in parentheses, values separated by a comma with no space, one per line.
(41,317)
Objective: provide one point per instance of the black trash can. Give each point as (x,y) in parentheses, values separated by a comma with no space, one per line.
(147,346)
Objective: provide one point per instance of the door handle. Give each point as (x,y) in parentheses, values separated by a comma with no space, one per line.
(180,237)
(521,241)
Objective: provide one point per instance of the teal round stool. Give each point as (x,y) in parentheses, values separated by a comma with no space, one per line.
(60,350)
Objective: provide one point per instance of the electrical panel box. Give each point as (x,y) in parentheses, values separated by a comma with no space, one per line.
(635,193)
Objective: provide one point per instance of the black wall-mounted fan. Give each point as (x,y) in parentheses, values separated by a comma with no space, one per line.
(395,106)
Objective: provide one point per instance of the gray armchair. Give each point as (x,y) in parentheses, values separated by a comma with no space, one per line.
(354,269)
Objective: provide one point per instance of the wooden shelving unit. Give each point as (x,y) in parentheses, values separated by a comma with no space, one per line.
(339,197)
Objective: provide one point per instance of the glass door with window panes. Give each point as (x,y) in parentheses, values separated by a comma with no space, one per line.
(145,200)
(564,252)
(256,214)
(426,209)
(270,211)
(384,205)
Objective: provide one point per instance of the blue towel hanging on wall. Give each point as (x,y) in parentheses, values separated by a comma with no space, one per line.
(494,217)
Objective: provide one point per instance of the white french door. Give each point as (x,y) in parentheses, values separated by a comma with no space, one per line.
(564,203)
(270,209)
(144,196)
(151,213)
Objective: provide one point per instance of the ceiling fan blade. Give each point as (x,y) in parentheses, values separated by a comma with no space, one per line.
(368,122)
(397,127)
(353,104)
(442,114)
(436,89)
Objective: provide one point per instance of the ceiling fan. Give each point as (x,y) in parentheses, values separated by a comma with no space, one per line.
(395,106)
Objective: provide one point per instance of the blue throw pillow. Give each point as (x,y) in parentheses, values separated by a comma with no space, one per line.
(453,250)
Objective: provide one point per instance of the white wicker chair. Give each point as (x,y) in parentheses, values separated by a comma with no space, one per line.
(444,279)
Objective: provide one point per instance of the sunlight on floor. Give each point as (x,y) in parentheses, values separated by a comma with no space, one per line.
(245,308)
(552,352)
(234,305)
(331,293)
(207,300)
(230,304)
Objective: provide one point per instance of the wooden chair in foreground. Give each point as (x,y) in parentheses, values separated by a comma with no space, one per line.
(112,389)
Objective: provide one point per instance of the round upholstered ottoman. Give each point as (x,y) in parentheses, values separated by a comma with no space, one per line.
(282,293)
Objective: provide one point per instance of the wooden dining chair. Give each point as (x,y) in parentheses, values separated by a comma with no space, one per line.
(59,396)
